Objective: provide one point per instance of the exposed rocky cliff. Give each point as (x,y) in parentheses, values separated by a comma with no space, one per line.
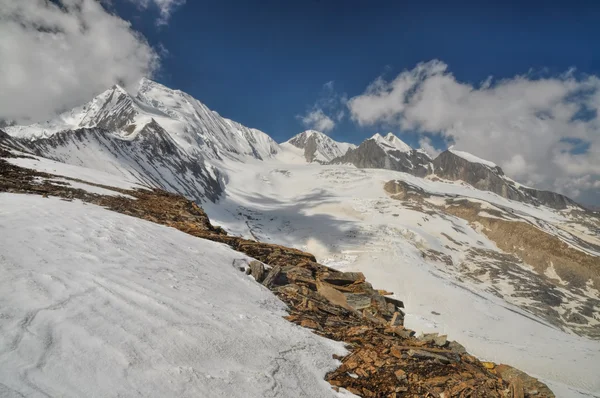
(151,157)
(317,147)
(387,152)
(455,165)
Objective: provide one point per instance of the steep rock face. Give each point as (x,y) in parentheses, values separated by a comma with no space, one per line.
(152,157)
(456,165)
(10,142)
(318,147)
(387,152)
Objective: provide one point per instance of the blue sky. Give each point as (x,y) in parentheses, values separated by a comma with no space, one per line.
(516,83)
(262,63)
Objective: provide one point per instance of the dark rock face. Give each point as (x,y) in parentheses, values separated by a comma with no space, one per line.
(370,155)
(11,143)
(152,157)
(317,146)
(308,143)
(453,167)
(550,199)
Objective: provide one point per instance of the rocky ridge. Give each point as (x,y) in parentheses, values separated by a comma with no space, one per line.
(387,152)
(450,165)
(385,358)
(317,147)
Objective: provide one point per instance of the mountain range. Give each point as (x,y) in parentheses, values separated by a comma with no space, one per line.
(444,233)
(167,138)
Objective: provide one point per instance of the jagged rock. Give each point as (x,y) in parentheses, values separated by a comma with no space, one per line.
(358,301)
(400,375)
(397,320)
(489,177)
(257,270)
(397,303)
(343,278)
(271,276)
(420,354)
(456,347)
(387,152)
(332,295)
(523,381)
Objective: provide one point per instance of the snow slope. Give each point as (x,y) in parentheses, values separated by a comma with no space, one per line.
(66,170)
(96,303)
(342,215)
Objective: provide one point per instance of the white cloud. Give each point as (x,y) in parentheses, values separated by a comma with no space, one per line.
(426,145)
(165,8)
(56,57)
(327,110)
(317,120)
(520,123)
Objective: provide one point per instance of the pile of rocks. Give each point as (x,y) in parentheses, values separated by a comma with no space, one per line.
(385,359)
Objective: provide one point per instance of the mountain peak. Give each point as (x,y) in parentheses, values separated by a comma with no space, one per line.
(391,142)
(318,146)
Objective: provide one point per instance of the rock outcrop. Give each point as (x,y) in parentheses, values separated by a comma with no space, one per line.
(450,165)
(387,152)
(317,147)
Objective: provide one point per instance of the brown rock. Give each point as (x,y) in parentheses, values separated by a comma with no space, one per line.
(397,320)
(397,303)
(343,278)
(271,276)
(332,295)
(358,301)
(309,323)
(257,270)
(400,375)
(516,388)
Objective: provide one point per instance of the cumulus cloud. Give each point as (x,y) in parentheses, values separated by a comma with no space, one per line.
(57,55)
(165,8)
(544,131)
(317,120)
(326,111)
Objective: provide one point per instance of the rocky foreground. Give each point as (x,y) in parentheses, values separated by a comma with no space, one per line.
(385,359)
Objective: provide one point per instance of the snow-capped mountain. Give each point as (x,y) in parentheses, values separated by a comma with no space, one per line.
(318,147)
(485,175)
(161,137)
(194,127)
(387,152)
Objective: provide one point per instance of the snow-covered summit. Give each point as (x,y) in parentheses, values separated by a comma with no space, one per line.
(194,127)
(318,146)
(387,152)
(391,143)
(472,158)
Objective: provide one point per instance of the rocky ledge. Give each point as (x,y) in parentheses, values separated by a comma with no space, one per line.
(385,359)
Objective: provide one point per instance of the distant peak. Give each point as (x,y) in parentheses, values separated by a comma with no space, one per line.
(147,84)
(392,142)
(309,133)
